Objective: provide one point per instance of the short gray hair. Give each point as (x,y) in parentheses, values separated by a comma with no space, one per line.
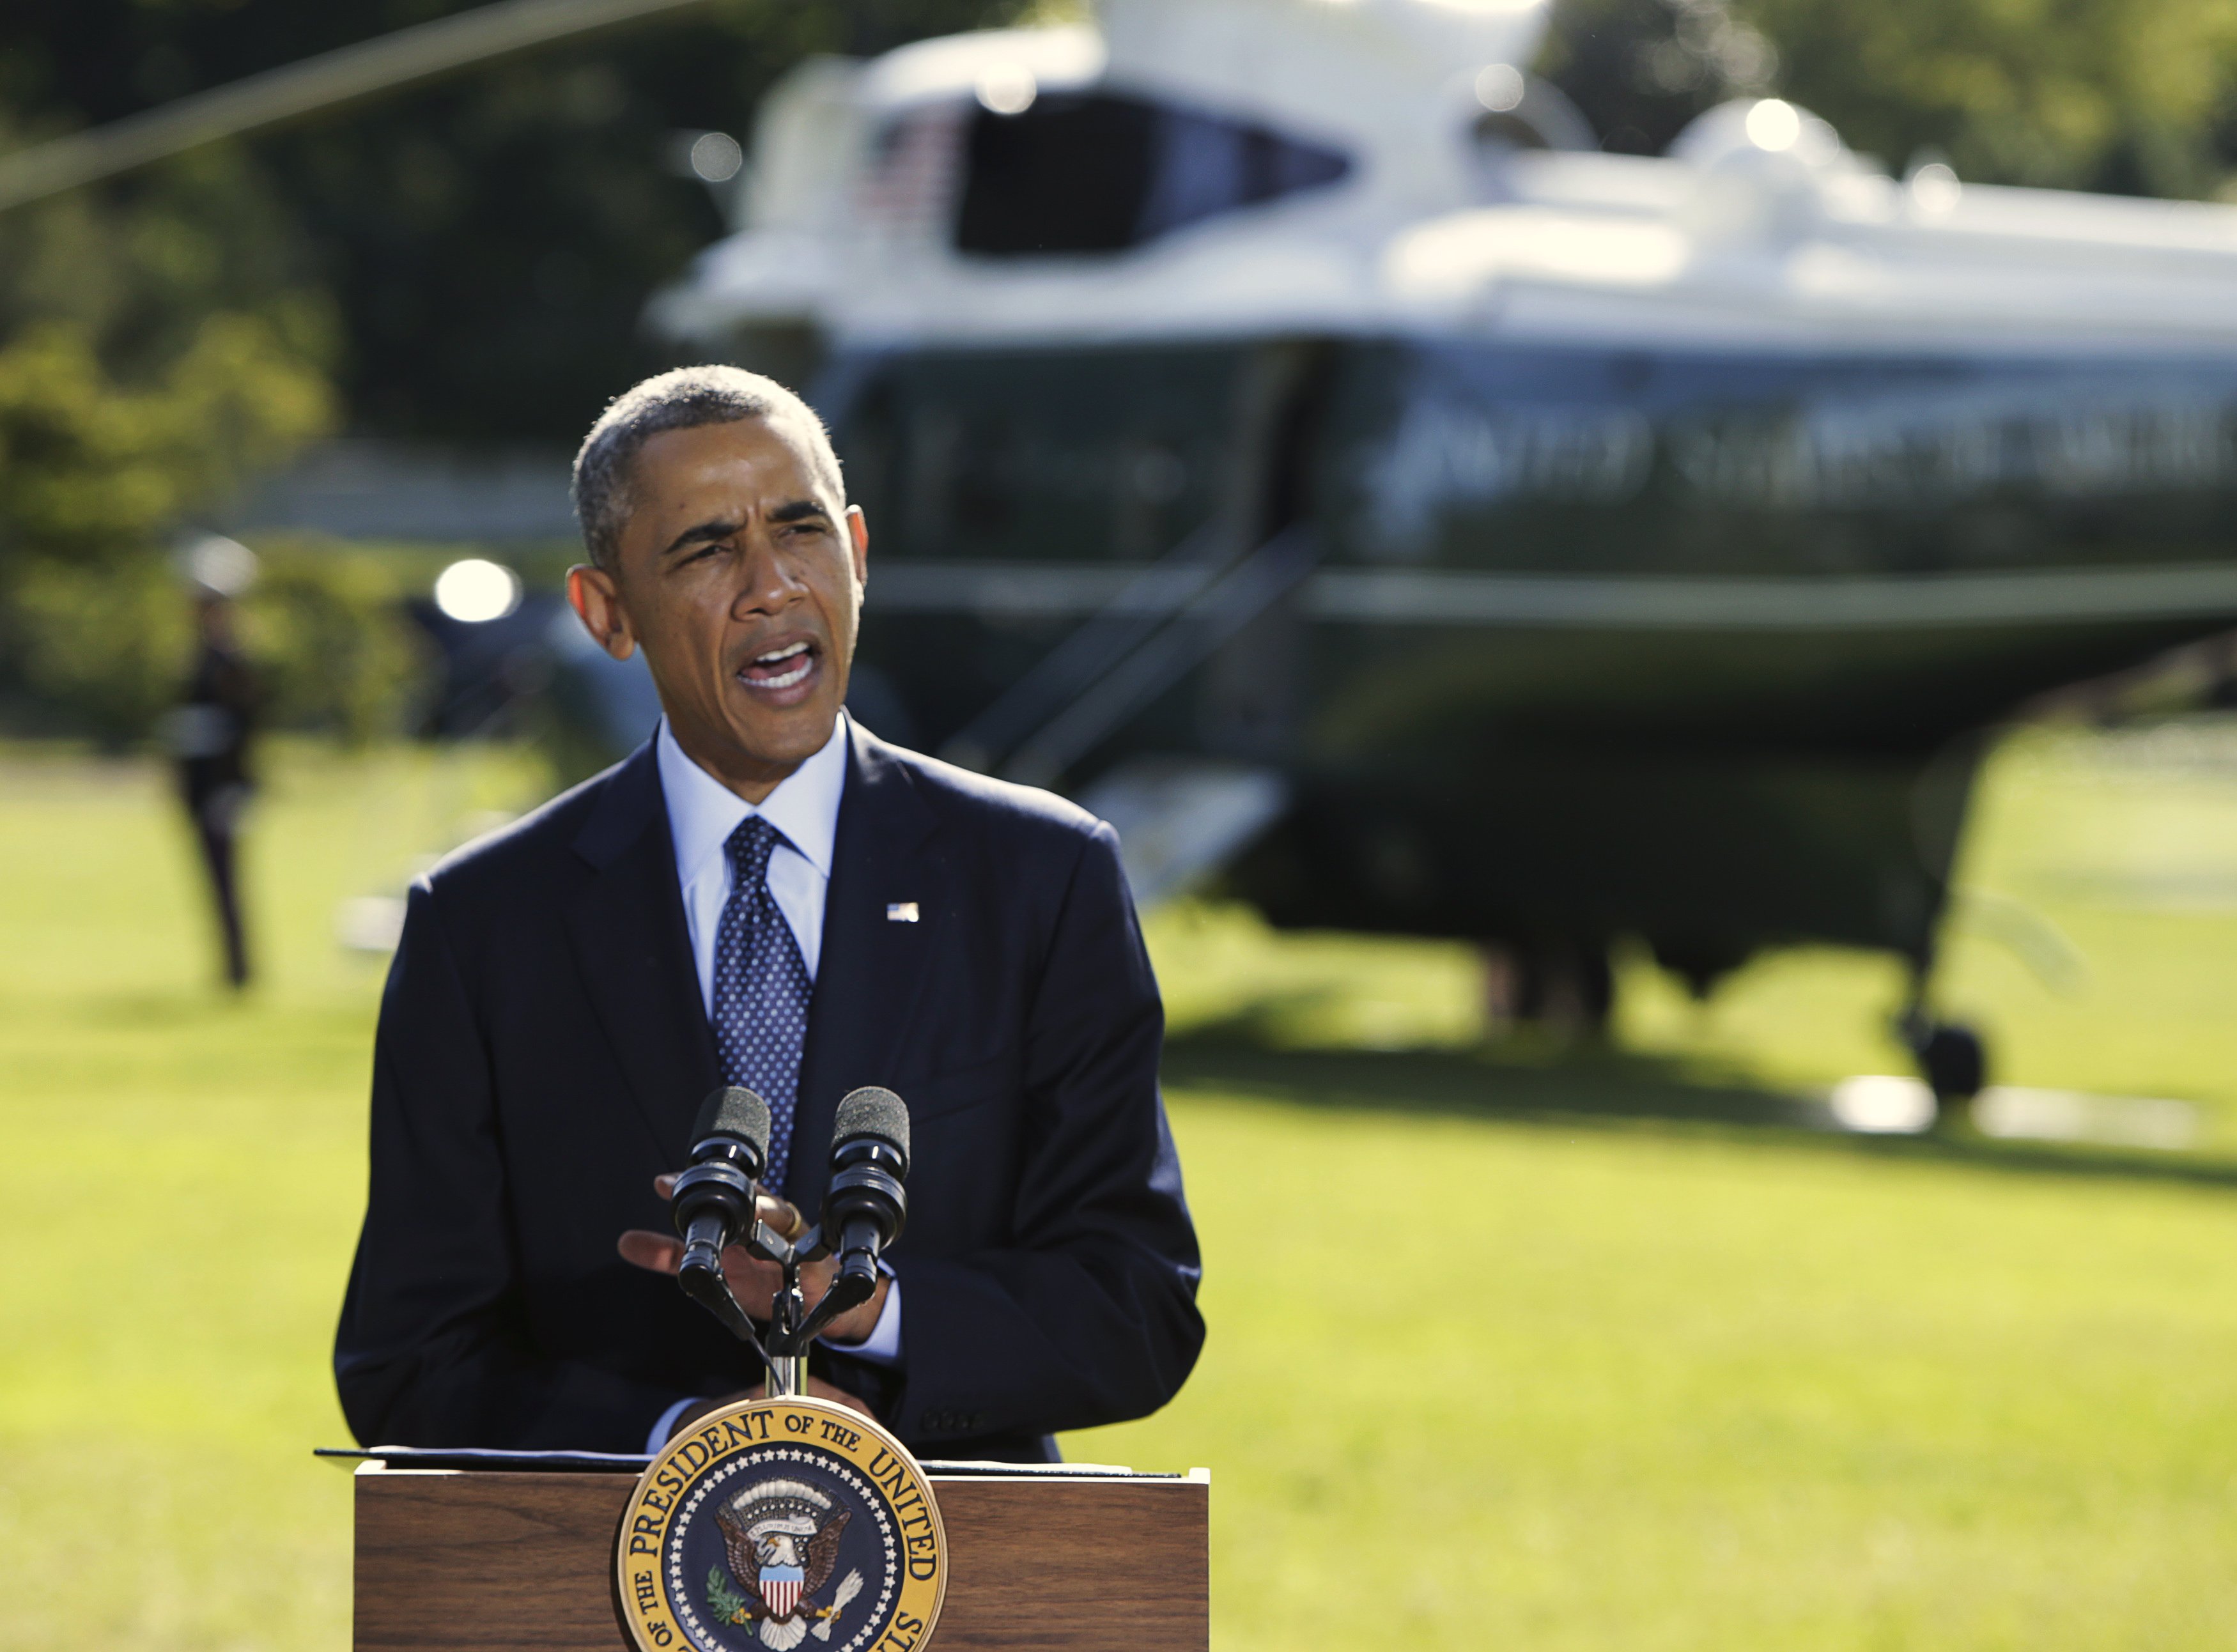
(682,399)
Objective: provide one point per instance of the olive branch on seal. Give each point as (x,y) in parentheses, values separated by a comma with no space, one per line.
(729,1605)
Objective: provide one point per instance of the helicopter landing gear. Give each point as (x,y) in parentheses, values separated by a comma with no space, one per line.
(1951,1058)
(1566,987)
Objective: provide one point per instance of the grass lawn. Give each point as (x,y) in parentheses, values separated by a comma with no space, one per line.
(1632,1363)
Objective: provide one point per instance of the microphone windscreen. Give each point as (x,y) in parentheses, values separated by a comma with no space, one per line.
(873,1112)
(734,1112)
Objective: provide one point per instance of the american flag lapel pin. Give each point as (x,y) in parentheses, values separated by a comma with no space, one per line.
(901,911)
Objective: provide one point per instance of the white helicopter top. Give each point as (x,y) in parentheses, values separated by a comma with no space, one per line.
(1758,226)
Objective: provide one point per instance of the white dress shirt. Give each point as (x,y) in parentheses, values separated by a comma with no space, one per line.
(703,813)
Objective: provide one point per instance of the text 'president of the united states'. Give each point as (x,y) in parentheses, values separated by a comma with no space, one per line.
(764,894)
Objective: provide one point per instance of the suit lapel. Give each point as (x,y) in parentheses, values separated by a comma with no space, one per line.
(626,926)
(871,975)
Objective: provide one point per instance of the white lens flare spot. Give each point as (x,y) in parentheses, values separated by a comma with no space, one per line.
(1008,88)
(716,157)
(1499,87)
(220,566)
(474,591)
(1774,124)
(1935,188)
(1881,1104)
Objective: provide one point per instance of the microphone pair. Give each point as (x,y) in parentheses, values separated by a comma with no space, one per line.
(865,1205)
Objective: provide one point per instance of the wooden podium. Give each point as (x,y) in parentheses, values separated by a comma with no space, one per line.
(452,1559)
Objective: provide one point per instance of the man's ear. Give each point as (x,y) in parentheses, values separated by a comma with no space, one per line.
(858,532)
(597,603)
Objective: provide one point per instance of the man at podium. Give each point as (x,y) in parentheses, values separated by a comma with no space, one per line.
(764,894)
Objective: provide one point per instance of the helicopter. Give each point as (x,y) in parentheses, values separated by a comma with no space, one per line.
(1286,430)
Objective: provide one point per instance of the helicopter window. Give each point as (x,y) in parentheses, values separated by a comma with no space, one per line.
(1099,173)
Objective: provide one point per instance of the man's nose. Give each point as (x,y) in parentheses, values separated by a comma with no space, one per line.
(767,582)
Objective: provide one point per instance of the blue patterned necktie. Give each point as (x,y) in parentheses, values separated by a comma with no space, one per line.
(761,989)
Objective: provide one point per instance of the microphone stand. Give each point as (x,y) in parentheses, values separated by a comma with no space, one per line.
(792,1327)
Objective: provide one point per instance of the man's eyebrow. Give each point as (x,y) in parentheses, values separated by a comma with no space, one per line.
(701,533)
(796,510)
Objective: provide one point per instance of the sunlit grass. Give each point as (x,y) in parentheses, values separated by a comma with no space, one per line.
(1510,1345)
(179,1189)
(1477,1386)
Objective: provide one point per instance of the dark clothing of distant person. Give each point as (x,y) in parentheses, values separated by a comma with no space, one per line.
(211,729)
(543,1047)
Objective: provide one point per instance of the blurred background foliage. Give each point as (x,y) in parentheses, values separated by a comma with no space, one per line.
(466,262)
(2128,96)
(328,623)
(156,351)
(487,240)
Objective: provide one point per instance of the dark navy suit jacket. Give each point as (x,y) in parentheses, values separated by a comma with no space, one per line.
(542,1049)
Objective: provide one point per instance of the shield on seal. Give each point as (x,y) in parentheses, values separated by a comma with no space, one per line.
(781,1587)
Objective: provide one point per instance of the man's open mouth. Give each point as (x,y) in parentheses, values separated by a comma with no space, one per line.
(779,668)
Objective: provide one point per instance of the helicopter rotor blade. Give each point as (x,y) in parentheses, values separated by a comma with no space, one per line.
(315,83)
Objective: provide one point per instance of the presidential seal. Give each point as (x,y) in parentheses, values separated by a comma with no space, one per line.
(777,1524)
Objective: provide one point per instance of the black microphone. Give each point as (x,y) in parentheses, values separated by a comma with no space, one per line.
(865,1206)
(713,1201)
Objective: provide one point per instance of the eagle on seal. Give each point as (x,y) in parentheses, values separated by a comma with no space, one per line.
(781,1539)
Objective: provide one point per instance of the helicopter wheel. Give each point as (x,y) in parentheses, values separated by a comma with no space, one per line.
(1953,1061)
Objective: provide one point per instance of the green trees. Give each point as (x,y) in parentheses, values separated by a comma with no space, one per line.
(488,238)
(465,261)
(2135,97)
(153,353)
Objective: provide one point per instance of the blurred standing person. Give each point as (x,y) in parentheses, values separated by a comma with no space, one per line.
(211,729)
